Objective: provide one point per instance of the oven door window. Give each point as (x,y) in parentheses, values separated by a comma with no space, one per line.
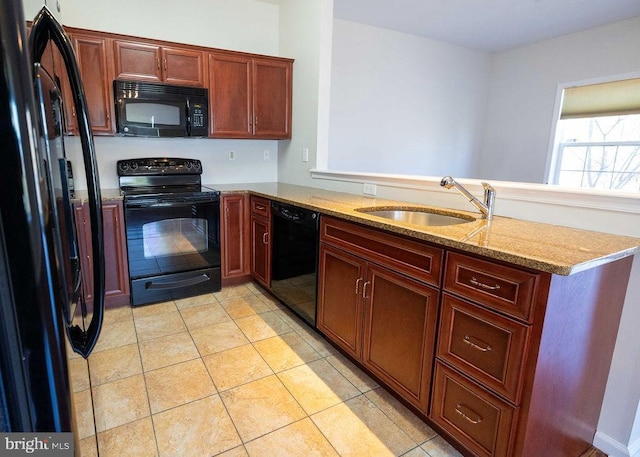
(172,239)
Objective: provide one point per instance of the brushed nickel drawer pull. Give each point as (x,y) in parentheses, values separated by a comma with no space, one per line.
(476,343)
(465,414)
(358,284)
(474,281)
(260,207)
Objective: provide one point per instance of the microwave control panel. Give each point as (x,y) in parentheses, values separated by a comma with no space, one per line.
(197,116)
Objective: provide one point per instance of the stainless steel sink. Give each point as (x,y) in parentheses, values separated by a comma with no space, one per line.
(417,216)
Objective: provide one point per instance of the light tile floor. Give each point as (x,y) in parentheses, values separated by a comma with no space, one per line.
(233,374)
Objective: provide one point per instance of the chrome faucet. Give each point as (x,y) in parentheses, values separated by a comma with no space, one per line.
(485,208)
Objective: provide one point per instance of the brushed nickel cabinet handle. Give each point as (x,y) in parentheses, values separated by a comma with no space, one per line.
(265,238)
(474,281)
(165,66)
(364,289)
(467,413)
(358,284)
(158,63)
(260,207)
(476,343)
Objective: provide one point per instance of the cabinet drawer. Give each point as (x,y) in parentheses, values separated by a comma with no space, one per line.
(412,258)
(505,289)
(260,207)
(478,420)
(485,345)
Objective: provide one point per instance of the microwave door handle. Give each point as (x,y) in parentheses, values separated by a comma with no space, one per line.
(188,117)
(46,27)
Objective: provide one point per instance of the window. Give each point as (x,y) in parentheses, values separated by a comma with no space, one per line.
(598,137)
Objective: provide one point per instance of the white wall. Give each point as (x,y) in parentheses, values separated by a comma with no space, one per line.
(305,35)
(523,93)
(249,164)
(405,104)
(241,25)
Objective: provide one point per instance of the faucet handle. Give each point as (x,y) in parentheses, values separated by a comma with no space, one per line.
(489,198)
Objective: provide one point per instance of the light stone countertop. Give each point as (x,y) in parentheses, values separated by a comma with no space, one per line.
(544,247)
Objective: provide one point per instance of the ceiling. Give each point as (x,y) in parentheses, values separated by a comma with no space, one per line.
(487,25)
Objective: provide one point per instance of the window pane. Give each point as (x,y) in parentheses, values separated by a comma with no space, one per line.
(599,153)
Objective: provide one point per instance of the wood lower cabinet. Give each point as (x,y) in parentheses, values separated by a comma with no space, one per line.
(235,236)
(383,319)
(115,252)
(249,97)
(260,240)
(522,356)
(147,61)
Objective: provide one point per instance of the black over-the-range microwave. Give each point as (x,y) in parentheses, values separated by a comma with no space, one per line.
(160,110)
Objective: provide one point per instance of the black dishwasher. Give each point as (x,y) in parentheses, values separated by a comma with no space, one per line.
(294,258)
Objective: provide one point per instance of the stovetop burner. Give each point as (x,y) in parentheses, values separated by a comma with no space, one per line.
(162,178)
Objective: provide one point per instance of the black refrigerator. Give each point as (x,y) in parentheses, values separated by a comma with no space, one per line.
(43,314)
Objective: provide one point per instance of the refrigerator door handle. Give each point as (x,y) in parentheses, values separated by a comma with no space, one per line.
(46,28)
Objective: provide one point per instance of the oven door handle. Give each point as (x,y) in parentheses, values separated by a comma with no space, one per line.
(177,284)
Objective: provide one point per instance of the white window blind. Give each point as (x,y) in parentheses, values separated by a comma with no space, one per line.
(604,99)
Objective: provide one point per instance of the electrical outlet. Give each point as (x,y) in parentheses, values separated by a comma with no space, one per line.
(305,154)
(369,189)
(266,154)
(232,155)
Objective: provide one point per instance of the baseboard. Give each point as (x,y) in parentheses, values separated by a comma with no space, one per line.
(614,448)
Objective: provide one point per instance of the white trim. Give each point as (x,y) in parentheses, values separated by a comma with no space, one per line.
(623,202)
(615,448)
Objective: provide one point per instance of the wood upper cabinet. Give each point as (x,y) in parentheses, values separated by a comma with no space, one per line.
(249,97)
(260,240)
(160,64)
(92,54)
(115,252)
(383,319)
(235,236)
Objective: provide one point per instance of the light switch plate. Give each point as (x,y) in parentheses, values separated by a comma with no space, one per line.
(305,154)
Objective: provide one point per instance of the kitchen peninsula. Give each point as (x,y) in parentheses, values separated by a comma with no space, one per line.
(498,334)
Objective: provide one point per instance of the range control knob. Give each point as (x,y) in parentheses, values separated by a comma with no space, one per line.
(134,165)
(188,165)
(124,166)
(197,165)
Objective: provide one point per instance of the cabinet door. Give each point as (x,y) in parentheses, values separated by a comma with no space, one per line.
(272,98)
(83,229)
(116,275)
(235,245)
(230,109)
(399,332)
(340,285)
(115,255)
(260,251)
(91,53)
(182,66)
(137,61)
